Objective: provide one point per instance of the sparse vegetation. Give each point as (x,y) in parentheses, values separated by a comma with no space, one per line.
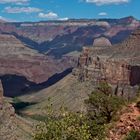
(66,126)
(133,135)
(103,106)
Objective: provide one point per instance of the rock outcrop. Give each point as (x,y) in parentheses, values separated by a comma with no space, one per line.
(102,41)
(118,65)
(13,127)
(128,121)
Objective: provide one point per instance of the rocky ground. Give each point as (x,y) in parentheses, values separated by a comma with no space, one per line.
(12,126)
(129,120)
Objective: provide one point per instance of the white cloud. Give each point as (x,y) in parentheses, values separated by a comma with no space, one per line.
(65,18)
(103,2)
(21,10)
(6,19)
(50,15)
(102,14)
(14,1)
(2,18)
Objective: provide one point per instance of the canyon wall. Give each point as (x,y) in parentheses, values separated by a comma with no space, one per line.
(17,59)
(120,68)
(58,38)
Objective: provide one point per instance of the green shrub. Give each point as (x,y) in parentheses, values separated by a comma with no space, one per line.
(102,109)
(105,88)
(102,105)
(133,135)
(69,126)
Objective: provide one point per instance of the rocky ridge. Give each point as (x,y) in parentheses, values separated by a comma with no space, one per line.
(57,38)
(118,65)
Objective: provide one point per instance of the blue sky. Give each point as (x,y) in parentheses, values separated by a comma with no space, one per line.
(36,10)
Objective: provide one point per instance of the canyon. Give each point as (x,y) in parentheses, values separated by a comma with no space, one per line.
(34,52)
(117,65)
(38,59)
(59,38)
(18,60)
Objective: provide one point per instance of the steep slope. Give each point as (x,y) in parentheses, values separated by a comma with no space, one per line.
(17,59)
(118,65)
(94,66)
(12,127)
(68,92)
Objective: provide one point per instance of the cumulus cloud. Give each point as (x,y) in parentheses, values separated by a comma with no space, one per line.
(50,15)
(103,2)
(102,14)
(21,10)
(65,18)
(14,1)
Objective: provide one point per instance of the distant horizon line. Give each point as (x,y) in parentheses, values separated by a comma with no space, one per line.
(72,19)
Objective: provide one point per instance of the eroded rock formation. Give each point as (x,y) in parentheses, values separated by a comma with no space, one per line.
(102,41)
(119,65)
(17,59)
(57,38)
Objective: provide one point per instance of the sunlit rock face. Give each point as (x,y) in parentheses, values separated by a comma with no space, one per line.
(119,65)
(102,41)
(17,59)
(57,38)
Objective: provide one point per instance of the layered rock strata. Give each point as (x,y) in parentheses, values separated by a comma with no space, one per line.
(17,59)
(118,65)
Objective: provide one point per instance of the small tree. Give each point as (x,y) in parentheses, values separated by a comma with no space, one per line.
(102,105)
(105,88)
